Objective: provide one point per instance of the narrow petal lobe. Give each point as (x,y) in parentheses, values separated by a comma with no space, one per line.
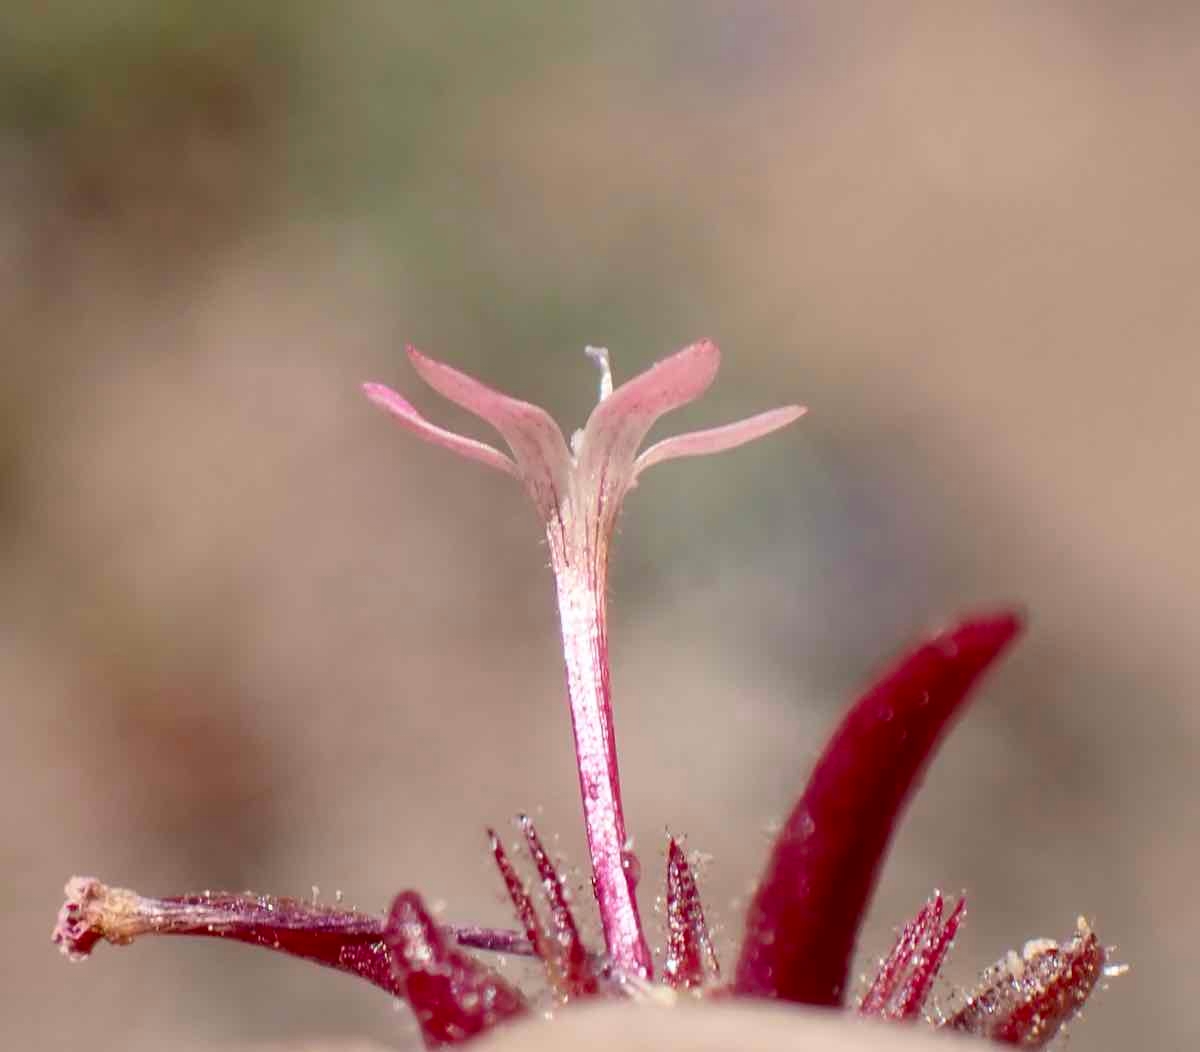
(387,399)
(543,462)
(717,439)
(620,422)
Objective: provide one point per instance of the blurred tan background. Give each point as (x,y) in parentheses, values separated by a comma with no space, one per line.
(254,636)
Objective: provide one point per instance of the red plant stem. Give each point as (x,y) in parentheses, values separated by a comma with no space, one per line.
(804,919)
(582,613)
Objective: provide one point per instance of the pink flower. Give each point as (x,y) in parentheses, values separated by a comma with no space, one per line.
(577,491)
(805,916)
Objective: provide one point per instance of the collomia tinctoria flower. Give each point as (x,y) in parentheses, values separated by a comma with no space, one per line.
(804,918)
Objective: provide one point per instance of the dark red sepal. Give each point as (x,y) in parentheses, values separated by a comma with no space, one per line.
(453,996)
(578,977)
(805,916)
(906,976)
(690,952)
(522,902)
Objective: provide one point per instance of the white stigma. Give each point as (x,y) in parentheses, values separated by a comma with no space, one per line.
(599,355)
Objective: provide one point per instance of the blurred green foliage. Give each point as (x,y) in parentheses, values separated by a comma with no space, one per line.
(391,116)
(107,66)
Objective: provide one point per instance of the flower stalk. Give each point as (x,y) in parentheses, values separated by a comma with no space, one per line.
(583,616)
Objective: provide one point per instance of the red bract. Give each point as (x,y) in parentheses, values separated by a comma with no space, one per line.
(804,919)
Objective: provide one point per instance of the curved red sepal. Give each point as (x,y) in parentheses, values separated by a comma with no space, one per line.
(805,916)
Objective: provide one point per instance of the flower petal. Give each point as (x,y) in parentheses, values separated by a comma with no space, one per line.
(386,398)
(717,439)
(803,922)
(543,461)
(619,423)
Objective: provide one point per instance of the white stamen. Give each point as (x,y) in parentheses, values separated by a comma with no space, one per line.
(599,355)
